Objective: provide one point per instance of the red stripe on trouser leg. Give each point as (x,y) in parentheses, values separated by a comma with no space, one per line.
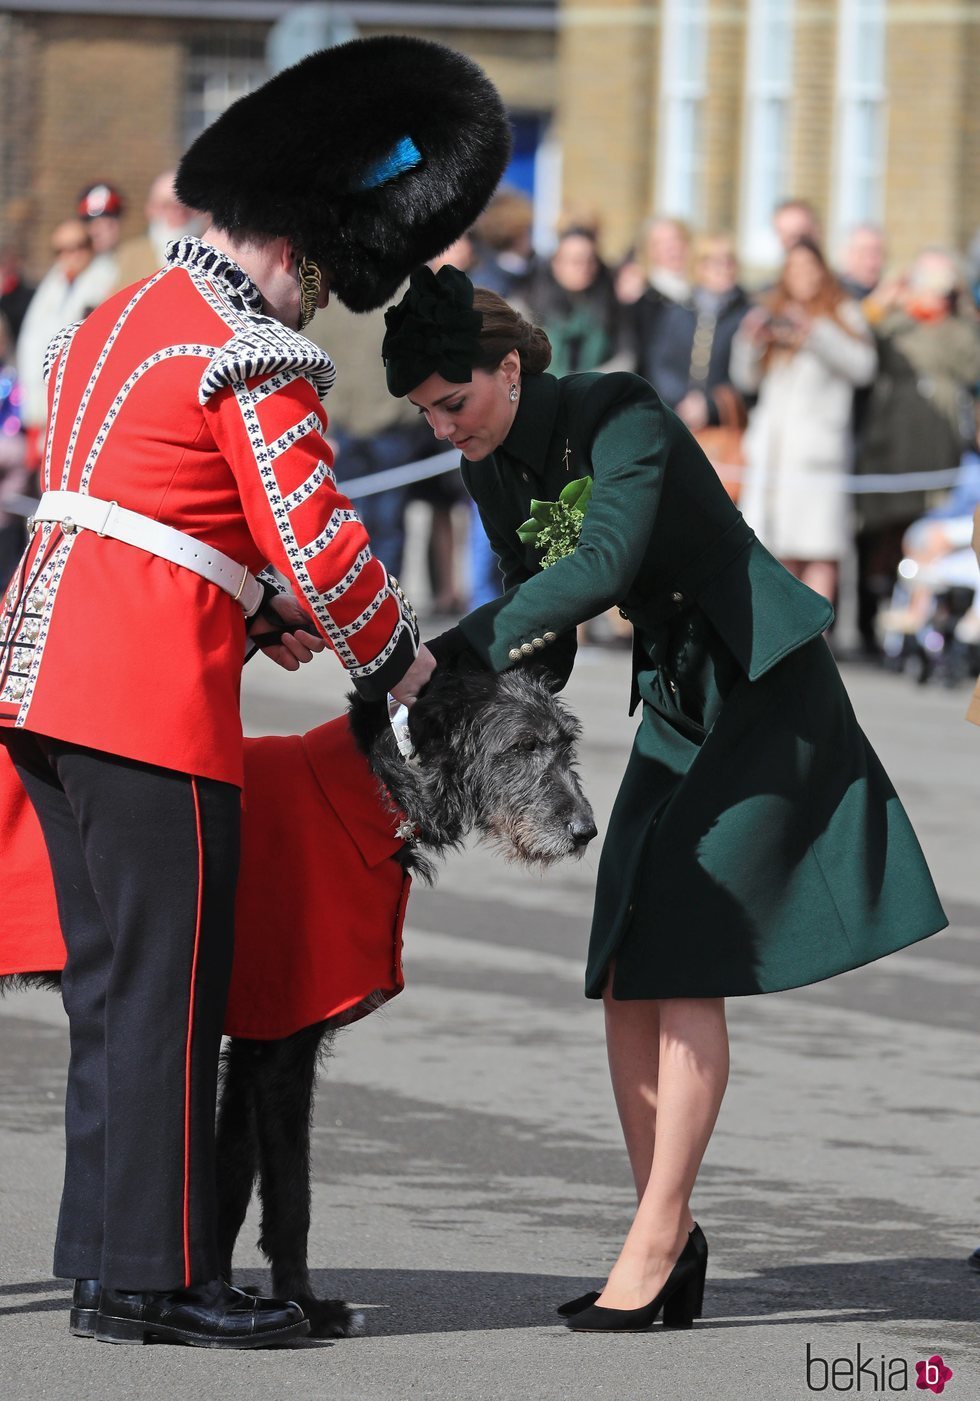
(190,1038)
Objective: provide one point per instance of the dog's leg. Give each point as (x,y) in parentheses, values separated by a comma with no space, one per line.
(284,1104)
(236,1144)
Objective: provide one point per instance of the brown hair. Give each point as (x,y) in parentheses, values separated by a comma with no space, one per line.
(827,302)
(505,329)
(828,298)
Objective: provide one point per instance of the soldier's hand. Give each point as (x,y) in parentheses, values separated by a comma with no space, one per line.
(408,688)
(299,643)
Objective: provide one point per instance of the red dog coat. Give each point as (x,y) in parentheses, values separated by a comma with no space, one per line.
(320,904)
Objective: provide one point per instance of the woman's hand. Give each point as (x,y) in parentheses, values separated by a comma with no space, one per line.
(299,644)
(415,678)
(791,327)
(755,326)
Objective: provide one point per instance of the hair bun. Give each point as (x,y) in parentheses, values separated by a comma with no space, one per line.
(505,329)
(534,349)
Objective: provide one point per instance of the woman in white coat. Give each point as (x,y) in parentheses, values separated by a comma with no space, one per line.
(804,351)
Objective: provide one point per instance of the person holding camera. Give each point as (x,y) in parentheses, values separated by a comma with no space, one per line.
(803,350)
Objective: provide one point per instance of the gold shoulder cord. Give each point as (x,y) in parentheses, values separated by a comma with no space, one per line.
(310,282)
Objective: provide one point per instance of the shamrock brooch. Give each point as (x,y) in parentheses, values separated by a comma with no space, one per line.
(555,526)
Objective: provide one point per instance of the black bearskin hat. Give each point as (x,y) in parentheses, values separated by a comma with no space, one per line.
(371,157)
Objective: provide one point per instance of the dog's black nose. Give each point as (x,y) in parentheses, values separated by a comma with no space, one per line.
(581,830)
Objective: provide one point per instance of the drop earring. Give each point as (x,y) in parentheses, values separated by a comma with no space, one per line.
(514,391)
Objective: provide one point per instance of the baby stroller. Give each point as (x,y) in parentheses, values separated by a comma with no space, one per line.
(932,628)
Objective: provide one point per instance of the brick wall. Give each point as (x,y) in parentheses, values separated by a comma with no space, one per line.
(606,114)
(103,101)
(723,118)
(18,118)
(968,174)
(922,184)
(90,98)
(607,94)
(109,108)
(812,107)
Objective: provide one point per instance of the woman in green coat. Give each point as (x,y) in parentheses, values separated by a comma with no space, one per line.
(756,843)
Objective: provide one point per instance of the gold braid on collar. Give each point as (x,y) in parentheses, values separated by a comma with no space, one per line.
(310,283)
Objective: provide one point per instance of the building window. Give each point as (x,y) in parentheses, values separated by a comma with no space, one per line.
(859,146)
(683,79)
(220,68)
(768,91)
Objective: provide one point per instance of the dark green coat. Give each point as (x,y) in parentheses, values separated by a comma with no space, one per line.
(756,842)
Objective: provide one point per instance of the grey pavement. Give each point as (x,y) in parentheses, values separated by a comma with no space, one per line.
(468,1169)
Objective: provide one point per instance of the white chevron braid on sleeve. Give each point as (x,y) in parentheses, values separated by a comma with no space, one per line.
(56,345)
(267,348)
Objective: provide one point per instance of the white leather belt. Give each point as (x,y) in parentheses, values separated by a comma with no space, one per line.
(74,511)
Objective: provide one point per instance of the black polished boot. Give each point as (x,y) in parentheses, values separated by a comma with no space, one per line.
(205,1315)
(84,1306)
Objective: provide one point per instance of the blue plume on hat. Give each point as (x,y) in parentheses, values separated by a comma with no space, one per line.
(404,155)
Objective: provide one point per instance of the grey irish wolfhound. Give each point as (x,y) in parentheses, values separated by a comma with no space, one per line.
(495,755)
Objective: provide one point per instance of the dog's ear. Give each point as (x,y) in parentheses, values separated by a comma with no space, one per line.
(450,699)
(540,671)
(452,651)
(367,720)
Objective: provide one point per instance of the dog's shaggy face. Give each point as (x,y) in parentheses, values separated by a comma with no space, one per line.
(524,788)
(493,752)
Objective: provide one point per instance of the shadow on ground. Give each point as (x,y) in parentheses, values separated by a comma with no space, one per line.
(404,1302)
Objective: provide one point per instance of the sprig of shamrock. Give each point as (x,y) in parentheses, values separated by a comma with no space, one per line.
(555,526)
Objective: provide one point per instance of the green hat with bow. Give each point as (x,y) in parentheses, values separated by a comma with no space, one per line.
(433,330)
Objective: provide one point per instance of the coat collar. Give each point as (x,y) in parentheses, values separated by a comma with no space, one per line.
(534,422)
(198,256)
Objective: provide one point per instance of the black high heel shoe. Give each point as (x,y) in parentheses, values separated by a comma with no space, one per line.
(679,1299)
(700,1245)
(577,1305)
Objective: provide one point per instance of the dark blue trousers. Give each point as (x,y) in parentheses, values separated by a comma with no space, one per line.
(145,862)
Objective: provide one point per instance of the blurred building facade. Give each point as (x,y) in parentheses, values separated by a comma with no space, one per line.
(115,89)
(707,110)
(713,112)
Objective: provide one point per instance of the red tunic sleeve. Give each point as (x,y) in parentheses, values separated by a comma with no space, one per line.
(270,429)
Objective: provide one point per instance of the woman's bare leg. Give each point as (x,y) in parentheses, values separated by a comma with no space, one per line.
(633,1051)
(691,1059)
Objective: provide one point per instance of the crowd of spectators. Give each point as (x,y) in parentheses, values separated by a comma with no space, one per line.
(834,368)
(89,262)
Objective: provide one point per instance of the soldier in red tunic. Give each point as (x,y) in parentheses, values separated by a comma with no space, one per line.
(186,451)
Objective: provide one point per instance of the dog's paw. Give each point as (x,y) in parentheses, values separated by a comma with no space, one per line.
(331,1318)
(358,1325)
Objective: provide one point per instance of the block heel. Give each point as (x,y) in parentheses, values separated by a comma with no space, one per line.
(700,1247)
(680,1308)
(81,1323)
(120,1330)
